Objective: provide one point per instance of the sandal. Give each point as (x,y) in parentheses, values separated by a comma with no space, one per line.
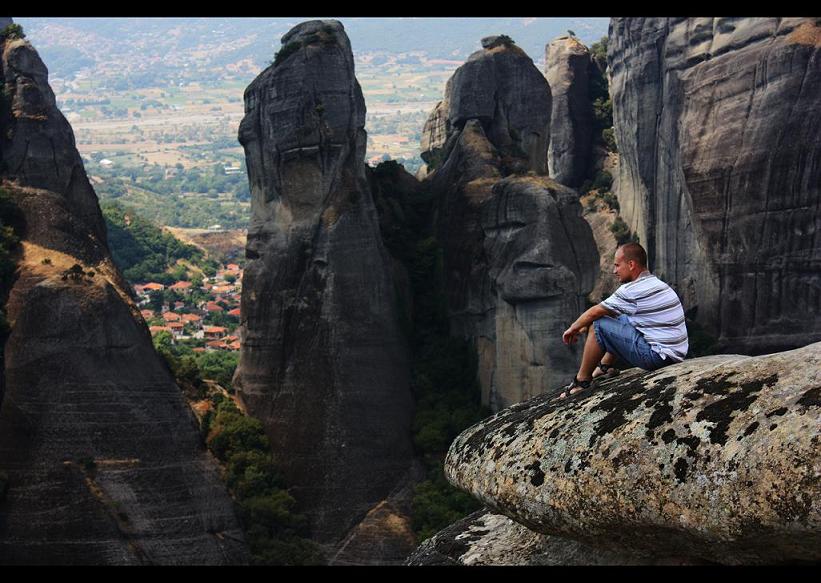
(575,386)
(607,371)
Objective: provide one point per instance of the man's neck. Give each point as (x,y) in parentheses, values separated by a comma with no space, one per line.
(645,273)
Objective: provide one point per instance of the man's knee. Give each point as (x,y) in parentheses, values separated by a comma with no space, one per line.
(599,333)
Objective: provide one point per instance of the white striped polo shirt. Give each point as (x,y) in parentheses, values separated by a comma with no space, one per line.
(654,309)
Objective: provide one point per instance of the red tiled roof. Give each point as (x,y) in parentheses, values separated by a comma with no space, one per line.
(170,317)
(174,325)
(156,329)
(234,312)
(154,286)
(214,329)
(190,318)
(181,285)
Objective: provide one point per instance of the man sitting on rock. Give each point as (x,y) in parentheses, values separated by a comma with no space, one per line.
(642,323)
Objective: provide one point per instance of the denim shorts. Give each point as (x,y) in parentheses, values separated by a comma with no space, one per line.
(618,337)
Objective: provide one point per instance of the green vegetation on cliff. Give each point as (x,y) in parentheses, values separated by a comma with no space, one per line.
(599,92)
(11,32)
(10,218)
(275,533)
(144,252)
(444,369)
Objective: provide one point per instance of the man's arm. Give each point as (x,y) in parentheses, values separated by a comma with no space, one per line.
(598,311)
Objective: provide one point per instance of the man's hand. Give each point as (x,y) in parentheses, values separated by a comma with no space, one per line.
(572,334)
(581,325)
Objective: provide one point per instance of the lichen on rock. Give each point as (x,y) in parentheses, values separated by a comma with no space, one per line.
(713,458)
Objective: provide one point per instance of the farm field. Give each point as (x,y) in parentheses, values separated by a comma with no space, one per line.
(170,126)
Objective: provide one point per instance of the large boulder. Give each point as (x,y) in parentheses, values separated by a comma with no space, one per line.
(488,539)
(718,127)
(103,458)
(324,363)
(519,259)
(567,69)
(715,458)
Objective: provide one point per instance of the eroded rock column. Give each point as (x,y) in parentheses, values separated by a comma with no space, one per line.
(519,259)
(104,459)
(324,363)
(567,65)
(718,127)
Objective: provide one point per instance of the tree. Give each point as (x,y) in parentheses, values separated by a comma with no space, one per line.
(155,300)
(571,33)
(163,341)
(12,31)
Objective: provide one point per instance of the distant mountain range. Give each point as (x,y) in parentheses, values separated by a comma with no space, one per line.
(69,44)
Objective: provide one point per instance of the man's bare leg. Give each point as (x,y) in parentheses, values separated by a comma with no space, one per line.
(593,354)
(607,359)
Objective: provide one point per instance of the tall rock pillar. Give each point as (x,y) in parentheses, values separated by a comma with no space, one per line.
(324,363)
(519,258)
(718,126)
(567,66)
(104,459)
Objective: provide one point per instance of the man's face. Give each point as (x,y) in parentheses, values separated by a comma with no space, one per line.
(621,268)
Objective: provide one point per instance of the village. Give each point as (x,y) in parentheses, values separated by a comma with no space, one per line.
(203,313)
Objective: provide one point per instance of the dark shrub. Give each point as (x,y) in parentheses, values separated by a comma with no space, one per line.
(286,51)
(603,180)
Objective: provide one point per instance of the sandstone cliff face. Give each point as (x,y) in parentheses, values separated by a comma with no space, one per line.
(324,364)
(104,458)
(718,127)
(519,258)
(567,64)
(715,459)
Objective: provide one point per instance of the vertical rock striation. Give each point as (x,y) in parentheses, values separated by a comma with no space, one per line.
(104,460)
(718,127)
(567,65)
(324,363)
(519,258)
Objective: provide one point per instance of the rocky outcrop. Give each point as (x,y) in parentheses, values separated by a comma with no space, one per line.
(500,88)
(715,458)
(434,135)
(488,539)
(567,65)
(519,258)
(718,127)
(104,460)
(385,536)
(324,363)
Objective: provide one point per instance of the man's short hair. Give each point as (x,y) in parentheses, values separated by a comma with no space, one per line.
(634,252)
